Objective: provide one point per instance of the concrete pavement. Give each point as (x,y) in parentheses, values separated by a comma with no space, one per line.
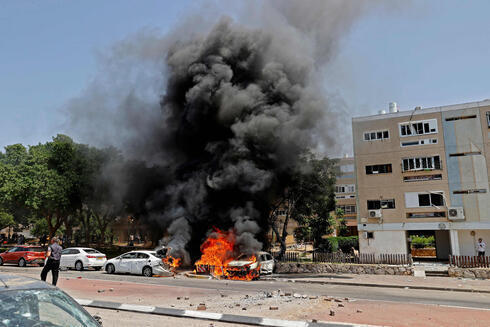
(391,281)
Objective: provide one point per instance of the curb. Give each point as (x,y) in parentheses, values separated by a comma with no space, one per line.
(413,287)
(203,315)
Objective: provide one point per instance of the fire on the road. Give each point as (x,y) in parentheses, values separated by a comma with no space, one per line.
(217,254)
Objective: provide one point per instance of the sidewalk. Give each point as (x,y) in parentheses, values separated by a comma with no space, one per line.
(429,283)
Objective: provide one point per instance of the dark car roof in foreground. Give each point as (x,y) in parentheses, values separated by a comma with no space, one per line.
(16,282)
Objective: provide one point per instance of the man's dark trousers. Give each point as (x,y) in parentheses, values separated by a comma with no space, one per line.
(54,266)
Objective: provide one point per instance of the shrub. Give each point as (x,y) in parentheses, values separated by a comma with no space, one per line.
(344,243)
(420,242)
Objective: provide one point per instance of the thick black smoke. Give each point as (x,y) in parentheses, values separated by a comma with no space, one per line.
(236,119)
(238,107)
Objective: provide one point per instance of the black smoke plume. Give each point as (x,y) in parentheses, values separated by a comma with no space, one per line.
(239,105)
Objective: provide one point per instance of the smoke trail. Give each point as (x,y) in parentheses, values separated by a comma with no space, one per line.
(240,105)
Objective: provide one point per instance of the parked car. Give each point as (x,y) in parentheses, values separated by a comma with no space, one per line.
(81,258)
(30,302)
(145,263)
(264,260)
(23,255)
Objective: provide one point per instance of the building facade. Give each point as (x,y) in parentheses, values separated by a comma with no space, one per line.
(345,193)
(423,171)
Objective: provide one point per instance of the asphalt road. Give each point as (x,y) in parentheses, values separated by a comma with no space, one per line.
(447,298)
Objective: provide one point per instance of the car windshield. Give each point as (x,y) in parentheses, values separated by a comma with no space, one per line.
(91,251)
(42,308)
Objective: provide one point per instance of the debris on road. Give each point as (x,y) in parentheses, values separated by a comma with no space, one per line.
(201,307)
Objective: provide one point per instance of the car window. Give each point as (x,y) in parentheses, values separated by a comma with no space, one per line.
(91,251)
(268,257)
(74,251)
(130,255)
(263,257)
(142,256)
(13,249)
(19,249)
(65,251)
(45,307)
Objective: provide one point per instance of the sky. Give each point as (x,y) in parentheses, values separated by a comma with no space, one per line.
(417,54)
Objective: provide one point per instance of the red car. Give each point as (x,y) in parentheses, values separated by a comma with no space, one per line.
(23,255)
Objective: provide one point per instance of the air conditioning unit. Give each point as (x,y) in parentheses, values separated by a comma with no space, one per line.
(365,235)
(364,220)
(375,213)
(455,213)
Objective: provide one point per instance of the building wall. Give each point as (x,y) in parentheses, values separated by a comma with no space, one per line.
(463,144)
(347,177)
(384,242)
(467,242)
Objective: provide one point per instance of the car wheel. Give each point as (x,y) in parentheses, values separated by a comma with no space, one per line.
(97,268)
(110,268)
(22,262)
(79,266)
(1,261)
(147,272)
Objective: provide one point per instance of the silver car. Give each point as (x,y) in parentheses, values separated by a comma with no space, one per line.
(82,258)
(144,263)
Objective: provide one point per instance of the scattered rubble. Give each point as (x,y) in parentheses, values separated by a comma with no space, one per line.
(332,313)
(273,308)
(201,307)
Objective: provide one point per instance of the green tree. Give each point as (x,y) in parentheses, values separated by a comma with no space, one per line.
(308,198)
(6,220)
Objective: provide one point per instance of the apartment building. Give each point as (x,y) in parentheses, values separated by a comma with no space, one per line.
(345,192)
(423,171)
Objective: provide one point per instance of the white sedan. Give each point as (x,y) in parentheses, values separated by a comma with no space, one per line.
(144,263)
(81,258)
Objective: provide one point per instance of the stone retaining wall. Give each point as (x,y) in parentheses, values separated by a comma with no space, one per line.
(318,268)
(469,272)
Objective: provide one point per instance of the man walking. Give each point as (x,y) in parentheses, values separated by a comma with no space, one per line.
(53,262)
(480,247)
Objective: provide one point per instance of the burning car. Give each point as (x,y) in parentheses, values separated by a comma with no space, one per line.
(264,263)
(218,259)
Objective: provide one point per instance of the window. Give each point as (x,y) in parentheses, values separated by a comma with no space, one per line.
(419,142)
(381,204)
(339,197)
(472,191)
(347,209)
(421,178)
(130,255)
(376,135)
(142,256)
(348,188)
(369,234)
(435,214)
(424,199)
(461,117)
(488,119)
(378,169)
(422,163)
(418,127)
(462,154)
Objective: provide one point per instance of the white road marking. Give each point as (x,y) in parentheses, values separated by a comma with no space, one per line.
(202,314)
(282,323)
(134,307)
(84,302)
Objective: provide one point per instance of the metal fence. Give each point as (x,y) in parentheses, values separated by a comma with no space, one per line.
(466,261)
(339,257)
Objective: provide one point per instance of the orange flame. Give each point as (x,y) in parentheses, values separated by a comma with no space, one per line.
(172,262)
(218,251)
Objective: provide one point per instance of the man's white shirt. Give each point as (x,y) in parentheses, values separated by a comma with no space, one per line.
(481,246)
